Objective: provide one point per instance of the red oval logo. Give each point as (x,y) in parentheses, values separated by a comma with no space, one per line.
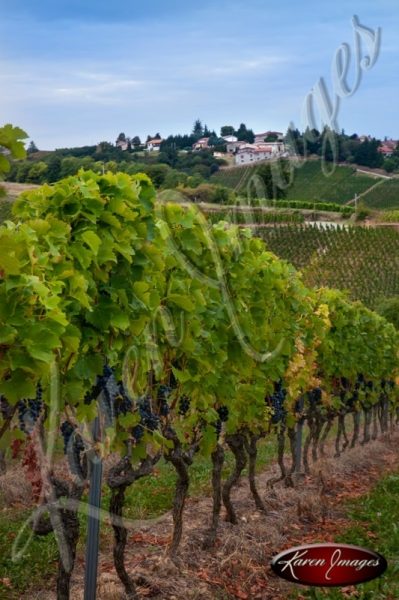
(329,565)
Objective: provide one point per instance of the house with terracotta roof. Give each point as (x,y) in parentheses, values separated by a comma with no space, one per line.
(232,147)
(122,144)
(201,144)
(250,153)
(388,147)
(154,145)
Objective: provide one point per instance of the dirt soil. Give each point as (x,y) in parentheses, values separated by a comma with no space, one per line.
(238,567)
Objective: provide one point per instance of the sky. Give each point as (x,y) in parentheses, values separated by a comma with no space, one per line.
(76,72)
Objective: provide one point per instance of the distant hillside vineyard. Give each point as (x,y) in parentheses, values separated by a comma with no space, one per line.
(365,262)
(311,184)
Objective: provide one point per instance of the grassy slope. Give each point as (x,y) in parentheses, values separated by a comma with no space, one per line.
(375,519)
(310,183)
(385,196)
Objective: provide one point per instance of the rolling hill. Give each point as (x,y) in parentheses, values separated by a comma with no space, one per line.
(311,184)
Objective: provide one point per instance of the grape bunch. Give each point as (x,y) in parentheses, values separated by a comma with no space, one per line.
(22,414)
(93,394)
(184,405)
(314,397)
(277,403)
(122,402)
(67,430)
(29,411)
(74,455)
(223,413)
(147,417)
(138,432)
(164,392)
(110,390)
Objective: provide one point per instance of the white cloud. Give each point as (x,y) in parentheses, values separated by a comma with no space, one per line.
(251,65)
(57,83)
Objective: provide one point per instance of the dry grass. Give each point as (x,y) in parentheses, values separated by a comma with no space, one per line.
(238,567)
(15,489)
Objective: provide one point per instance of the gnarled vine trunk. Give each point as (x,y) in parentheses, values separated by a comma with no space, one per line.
(217,466)
(252,450)
(280,457)
(356,428)
(236,443)
(119,478)
(324,435)
(181,466)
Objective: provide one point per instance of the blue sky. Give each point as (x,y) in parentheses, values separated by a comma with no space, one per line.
(75,72)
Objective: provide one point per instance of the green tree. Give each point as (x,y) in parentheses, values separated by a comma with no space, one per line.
(23,169)
(389,309)
(69,166)
(367,154)
(54,169)
(37,173)
(391,164)
(227,130)
(157,173)
(198,129)
(245,135)
(32,148)
(136,142)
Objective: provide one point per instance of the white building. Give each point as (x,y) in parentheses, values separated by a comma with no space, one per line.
(201,144)
(122,144)
(250,153)
(154,145)
(234,146)
(260,137)
(229,138)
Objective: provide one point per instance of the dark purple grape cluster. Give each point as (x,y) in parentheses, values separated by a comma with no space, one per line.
(223,413)
(29,411)
(138,432)
(147,417)
(22,413)
(74,452)
(93,394)
(123,403)
(67,430)
(315,396)
(276,401)
(164,392)
(184,405)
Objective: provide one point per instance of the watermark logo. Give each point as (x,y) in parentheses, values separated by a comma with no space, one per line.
(329,565)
